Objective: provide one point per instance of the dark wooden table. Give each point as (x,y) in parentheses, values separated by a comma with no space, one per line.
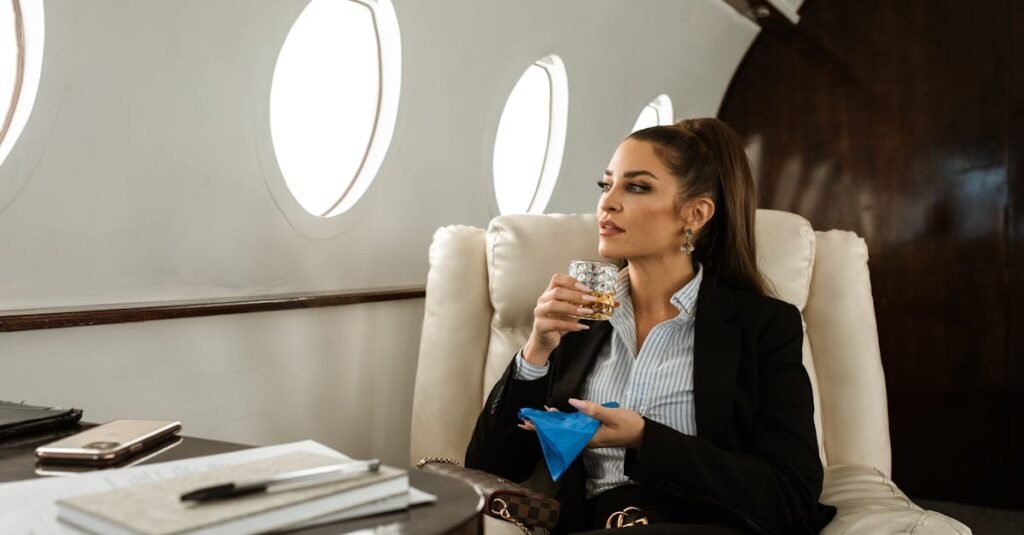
(456,511)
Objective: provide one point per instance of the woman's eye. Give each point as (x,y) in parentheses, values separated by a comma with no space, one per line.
(632,188)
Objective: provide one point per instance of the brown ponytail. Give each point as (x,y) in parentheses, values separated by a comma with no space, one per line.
(707,158)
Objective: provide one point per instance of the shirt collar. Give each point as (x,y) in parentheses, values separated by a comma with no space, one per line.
(686,298)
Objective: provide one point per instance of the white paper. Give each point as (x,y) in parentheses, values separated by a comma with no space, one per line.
(29,506)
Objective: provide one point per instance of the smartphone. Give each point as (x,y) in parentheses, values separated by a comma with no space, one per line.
(58,468)
(108,443)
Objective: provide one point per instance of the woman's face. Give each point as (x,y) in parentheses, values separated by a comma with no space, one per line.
(638,216)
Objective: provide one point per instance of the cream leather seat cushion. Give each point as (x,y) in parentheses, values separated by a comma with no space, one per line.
(869,503)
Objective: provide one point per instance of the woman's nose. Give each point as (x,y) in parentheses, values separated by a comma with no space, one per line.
(608,202)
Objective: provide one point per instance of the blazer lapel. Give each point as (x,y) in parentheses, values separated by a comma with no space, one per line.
(716,349)
(576,356)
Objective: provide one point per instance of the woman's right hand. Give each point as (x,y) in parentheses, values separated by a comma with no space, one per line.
(557,312)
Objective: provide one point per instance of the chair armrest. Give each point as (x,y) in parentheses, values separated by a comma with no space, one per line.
(456,325)
(870,503)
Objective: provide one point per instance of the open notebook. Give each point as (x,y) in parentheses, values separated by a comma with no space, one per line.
(156,508)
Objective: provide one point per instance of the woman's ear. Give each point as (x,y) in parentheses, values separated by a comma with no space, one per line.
(697,212)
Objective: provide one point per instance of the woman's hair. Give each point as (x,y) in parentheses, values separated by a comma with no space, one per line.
(707,158)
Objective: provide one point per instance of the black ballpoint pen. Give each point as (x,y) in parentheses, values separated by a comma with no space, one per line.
(286,481)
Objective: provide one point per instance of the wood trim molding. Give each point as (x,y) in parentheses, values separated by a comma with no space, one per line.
(27,320)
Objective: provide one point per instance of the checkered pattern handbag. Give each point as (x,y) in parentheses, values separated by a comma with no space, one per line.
(503,499)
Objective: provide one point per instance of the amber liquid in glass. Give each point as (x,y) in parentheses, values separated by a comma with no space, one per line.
(603,307)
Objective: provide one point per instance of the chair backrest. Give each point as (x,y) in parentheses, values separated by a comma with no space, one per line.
(482,288)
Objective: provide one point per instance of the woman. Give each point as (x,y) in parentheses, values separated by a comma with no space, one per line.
(715,432)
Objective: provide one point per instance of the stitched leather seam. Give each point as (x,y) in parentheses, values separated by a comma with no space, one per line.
(920,521)
(955,524)
(893,507)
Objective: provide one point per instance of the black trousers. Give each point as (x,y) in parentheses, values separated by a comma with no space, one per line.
(666,516)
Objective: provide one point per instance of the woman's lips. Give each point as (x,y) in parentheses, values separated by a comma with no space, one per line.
(610,229)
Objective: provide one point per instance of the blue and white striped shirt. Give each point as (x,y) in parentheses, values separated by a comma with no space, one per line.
(657,382)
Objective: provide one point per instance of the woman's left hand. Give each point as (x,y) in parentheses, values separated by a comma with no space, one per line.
(619,427)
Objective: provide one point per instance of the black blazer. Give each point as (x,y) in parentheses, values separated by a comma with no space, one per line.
(754,461)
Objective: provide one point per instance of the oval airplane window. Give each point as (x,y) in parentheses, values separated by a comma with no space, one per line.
(21,60)
(333,101)
(531,137)
(657,113)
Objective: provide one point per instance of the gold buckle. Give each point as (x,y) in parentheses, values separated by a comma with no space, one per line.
(618,518)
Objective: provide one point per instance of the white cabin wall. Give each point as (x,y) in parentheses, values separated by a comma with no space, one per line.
(145,174)
(340,375)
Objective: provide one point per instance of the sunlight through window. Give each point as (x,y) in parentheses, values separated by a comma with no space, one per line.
(657,113)
(333,101)
(530,138)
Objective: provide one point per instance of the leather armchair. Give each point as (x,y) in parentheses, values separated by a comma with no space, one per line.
(483,285)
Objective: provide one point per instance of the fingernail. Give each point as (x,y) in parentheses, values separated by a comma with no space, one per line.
(584,326)
(582,287)
(589,298)
(576,403)
(584,310)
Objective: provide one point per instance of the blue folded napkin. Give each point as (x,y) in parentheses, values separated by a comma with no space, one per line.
(563,435)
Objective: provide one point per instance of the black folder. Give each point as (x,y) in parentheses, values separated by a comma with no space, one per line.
(19,418)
